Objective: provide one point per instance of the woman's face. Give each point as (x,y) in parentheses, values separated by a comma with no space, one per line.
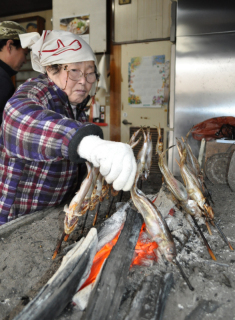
(76,90)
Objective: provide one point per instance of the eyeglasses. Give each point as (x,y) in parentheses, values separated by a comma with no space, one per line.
(76,74)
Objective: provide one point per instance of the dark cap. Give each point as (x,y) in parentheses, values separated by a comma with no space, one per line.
(10,30)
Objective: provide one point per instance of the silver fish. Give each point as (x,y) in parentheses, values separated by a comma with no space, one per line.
(155,223)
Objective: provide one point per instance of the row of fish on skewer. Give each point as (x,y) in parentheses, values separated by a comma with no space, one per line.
(94,189)
(156,226)
(192,196)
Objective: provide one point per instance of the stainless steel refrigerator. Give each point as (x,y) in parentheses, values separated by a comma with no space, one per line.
(202,67)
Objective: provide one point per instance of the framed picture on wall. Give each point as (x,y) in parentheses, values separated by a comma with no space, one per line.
(32,24)
(79,25)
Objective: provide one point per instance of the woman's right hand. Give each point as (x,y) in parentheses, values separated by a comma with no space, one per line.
(115,159)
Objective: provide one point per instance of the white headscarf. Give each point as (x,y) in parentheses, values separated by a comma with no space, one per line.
(57,47)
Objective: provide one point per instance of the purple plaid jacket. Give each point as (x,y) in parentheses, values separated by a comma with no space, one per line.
(35,167)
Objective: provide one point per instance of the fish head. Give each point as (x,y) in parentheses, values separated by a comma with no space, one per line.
(193,209)
(209,211)
(70,220)
(70,224)
(168,249)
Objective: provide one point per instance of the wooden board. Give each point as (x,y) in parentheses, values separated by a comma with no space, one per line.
(115,93)
(105,299)
(153,293)
(59,290)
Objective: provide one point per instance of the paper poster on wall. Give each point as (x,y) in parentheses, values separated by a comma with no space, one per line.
(77,24)
(146,81)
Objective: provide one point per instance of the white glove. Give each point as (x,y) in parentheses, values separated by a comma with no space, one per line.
(115,159)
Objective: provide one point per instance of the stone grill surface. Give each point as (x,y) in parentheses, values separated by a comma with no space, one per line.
(26,263)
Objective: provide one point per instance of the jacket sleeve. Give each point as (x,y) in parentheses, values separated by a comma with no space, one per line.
(33,132)
(6,91)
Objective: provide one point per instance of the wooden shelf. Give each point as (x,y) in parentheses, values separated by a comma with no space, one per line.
(100,124)
(27,70)
(22,80)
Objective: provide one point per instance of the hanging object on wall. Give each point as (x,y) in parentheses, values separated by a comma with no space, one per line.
(147,81)
(102,68)
(124,1)
(79,25)
(98,19)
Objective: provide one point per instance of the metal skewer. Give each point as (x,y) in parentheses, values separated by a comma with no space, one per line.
(221,234)
(204,239)
(121,194)
(96,214)
(110,206)
(208,227)
(217,263)
(208,193)
(183,274)
(84,223)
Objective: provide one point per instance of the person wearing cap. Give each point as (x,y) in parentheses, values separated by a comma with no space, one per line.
(12,58)
(45,134)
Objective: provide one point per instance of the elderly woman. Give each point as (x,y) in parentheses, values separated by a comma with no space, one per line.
(44,134)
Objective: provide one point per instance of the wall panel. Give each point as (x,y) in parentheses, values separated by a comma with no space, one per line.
(125,22)
(142,20)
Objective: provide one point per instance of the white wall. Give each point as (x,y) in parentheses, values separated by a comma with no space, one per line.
(142,19)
